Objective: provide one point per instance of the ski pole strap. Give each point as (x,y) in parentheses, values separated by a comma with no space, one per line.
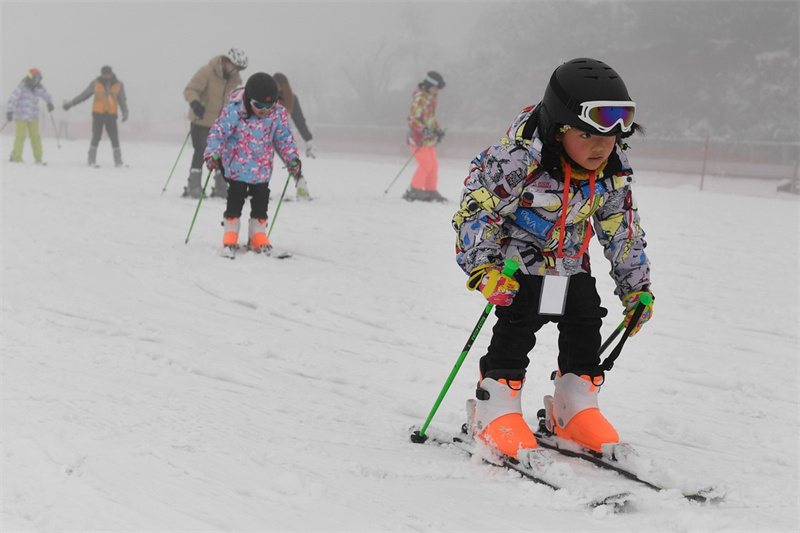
(608,364)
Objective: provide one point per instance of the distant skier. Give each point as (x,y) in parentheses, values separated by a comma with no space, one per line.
(109,95)
(288,99)
(241,145)
(23,108)
(535,198)
(207,94)
(423,136)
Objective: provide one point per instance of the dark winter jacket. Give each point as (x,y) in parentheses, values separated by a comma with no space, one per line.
(511,208)
(300,121)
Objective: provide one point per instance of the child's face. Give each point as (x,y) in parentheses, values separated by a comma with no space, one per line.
(589,151)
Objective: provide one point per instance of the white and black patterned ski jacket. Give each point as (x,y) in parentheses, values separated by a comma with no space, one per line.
(511,209)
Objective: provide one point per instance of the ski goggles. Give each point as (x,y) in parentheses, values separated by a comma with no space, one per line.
(435,82)
(261,106)
(604,115)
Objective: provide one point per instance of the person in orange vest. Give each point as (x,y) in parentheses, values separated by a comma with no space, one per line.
(109,94)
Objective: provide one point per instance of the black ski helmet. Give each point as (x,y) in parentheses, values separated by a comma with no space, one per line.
(583,80)
(433,79)
(260,87)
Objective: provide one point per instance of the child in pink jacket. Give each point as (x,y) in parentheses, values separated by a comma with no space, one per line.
(241,144)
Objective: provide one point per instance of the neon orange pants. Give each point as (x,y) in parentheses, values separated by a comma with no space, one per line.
(427,175)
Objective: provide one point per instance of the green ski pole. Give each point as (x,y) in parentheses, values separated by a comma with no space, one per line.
(278,208)
(509,269)
(202,195)
(176,161)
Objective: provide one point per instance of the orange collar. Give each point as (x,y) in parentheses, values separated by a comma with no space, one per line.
(565,205)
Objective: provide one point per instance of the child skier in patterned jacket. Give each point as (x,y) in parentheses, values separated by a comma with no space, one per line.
(241,144)
(532,198)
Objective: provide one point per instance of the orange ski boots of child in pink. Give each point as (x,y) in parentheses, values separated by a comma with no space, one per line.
(257,232)
(497,418)
(572,412)
(230,232)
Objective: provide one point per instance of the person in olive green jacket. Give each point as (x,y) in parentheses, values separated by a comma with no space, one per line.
(207,94)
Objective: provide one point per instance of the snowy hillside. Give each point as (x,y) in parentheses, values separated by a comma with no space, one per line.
(150,385)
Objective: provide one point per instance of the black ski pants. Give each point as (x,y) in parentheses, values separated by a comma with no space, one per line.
(238,191)
(107,121)
(199,138)
(514,334)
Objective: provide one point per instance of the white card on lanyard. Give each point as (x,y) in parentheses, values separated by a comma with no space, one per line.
(553,297)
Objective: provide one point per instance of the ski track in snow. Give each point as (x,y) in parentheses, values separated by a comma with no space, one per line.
(150,385)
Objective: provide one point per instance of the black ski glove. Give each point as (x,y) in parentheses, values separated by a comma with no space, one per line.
(198,109)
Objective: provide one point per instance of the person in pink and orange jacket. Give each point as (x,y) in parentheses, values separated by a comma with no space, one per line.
(423,136)
(242,144)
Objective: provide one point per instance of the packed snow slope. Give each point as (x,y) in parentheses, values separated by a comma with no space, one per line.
(151,385)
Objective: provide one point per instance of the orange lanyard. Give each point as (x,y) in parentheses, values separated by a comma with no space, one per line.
(565,205)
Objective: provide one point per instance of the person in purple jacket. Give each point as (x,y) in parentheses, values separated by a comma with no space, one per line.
(242,144)
(23,108)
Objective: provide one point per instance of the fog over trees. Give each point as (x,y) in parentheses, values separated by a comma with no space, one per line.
(728,70)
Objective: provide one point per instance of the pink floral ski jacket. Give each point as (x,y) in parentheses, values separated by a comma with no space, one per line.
(246,145)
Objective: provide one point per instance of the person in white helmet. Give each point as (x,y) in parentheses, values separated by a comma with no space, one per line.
(206,94)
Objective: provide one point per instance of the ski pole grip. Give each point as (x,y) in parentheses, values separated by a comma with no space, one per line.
(510,268)
(646,299)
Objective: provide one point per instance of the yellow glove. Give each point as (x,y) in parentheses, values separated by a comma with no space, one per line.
(631,301)
(497,287)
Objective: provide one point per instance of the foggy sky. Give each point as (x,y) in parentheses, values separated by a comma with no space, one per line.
(156,47)
(717,68)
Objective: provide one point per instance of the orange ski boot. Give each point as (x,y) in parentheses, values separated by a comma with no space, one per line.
(572,412)
(497,419)
(258,240)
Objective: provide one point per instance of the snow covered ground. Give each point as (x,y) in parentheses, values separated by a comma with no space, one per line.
(150,385)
